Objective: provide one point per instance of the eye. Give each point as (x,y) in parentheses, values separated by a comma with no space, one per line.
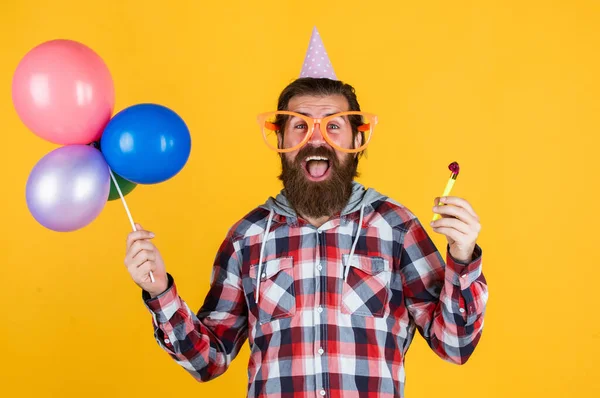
(300,126)
(332,126)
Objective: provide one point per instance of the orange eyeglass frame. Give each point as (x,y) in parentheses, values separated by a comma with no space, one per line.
(310,122)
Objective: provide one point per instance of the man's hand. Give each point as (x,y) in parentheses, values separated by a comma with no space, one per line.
(460,225)
(141,258)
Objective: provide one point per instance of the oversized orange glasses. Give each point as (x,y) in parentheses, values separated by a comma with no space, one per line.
(336,129)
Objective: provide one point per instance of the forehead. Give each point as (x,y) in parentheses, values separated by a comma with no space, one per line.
(318,105)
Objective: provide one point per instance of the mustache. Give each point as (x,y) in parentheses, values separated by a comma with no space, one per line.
(311,150)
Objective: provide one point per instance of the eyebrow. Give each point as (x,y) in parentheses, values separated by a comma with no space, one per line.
(309,115)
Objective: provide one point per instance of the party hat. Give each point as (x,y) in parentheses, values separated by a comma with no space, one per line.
(316,62)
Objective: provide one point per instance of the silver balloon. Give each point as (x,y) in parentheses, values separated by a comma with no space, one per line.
(68,188)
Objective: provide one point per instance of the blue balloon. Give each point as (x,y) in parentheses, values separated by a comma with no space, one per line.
(146,143)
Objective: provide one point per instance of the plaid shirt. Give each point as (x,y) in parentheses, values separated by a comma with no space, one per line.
(314,331)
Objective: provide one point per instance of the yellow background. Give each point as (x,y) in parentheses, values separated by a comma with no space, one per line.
(507,88)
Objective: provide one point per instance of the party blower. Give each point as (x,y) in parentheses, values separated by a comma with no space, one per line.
(64,93)
(454,169)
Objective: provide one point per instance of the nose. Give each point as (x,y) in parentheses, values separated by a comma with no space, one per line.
(317,136)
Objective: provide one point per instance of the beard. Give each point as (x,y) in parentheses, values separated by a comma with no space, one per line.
(316,199)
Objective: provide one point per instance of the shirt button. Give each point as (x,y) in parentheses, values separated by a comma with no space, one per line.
(464,276)
(319,232)
(167,341)
(321,351)
(322,392)
(320,309)
(264,275)
(319,267)
(462,310)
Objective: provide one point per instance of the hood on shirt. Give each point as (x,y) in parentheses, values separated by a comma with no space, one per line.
(359,198)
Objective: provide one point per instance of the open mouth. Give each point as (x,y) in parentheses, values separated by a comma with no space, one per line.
(316,167)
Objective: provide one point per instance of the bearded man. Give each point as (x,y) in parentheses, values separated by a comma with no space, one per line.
(328,281)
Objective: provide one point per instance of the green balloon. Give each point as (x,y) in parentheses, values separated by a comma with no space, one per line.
(125,185)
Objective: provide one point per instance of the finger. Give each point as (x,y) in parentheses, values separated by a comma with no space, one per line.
(137,235)
(459,202)
(144,255)
(141,258)
(142,273)
(138,246)
(454,223)
(450,232)
(455,211)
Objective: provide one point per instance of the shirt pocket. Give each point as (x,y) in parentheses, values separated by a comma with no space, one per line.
(366,290)
(277,297)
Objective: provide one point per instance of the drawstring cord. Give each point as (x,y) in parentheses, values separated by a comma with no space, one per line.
(360,221)
(262,251)
(266,236)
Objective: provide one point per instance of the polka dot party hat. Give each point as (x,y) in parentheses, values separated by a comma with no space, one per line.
(316,62)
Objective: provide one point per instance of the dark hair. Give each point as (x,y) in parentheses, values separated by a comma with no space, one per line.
(320,87)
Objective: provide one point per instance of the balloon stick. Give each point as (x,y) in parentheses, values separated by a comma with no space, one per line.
(126,209)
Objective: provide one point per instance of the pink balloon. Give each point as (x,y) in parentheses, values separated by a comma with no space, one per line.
(63,92)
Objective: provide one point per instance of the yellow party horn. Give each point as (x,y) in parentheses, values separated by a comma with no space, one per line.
(454,168)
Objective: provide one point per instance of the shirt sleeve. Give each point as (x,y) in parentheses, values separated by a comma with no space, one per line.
(205,343)
(446,301)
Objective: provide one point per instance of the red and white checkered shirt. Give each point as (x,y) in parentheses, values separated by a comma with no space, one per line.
(336,307)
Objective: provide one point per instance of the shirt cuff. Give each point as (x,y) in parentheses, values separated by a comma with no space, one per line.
(463,274)
(166,304)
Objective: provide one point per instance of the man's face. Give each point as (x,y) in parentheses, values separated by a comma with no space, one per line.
(339,130)
(317,178)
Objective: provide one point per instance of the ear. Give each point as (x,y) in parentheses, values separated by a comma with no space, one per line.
(358,140)
(279,140)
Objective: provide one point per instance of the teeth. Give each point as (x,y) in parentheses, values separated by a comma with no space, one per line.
(316,158)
